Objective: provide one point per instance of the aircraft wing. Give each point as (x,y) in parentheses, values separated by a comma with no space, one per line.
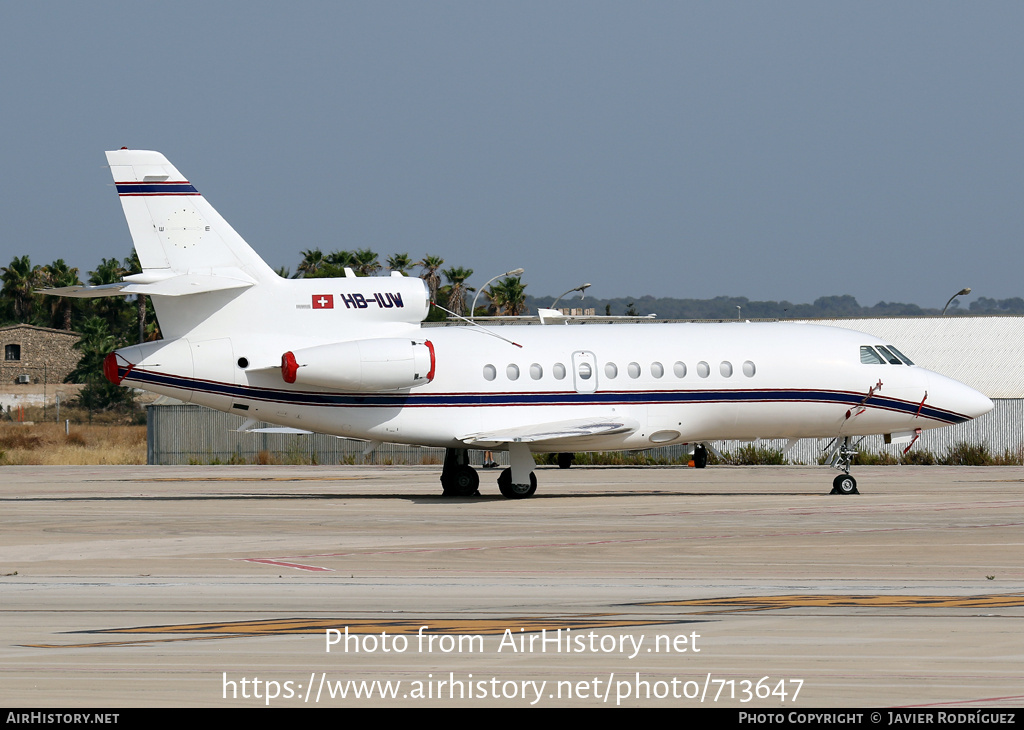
(570,429)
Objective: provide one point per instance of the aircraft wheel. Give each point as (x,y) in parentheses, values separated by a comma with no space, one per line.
(700,456)
(565,460)
(516,491)
(460,481)
(844,484)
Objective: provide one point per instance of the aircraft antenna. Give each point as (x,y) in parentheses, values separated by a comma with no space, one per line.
(482,328)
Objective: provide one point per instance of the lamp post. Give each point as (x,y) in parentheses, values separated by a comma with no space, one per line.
(514,272)
(963,292)
(579,288)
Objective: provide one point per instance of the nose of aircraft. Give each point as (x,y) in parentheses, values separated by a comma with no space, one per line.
(952,395)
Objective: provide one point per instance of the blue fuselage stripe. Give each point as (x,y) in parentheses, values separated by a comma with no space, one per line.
(450,400)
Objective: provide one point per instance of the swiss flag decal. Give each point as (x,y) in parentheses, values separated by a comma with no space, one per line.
(323,301)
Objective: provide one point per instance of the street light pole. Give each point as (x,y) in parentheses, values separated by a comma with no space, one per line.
(514,272)
(963,292)
(579,288)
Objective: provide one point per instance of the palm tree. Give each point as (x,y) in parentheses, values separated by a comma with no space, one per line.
(112,309)
(95,343)
(508,296)
(56,275)
(334,265)
(365,262)
(312,260)
(430,266)
(456,277)
(132,265)
(21,279)
(400,262)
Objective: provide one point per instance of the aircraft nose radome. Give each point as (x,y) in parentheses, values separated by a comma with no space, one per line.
(960,398)
(979,403)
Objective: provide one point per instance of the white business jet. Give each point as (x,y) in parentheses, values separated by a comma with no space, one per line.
(350,357)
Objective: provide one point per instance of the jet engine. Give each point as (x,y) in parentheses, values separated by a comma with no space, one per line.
(362,365)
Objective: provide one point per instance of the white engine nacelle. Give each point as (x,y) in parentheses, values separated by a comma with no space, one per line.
(362,365)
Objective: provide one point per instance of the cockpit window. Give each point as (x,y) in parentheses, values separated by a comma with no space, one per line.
(883,354)
(868,356)
(900,355)
(892,359)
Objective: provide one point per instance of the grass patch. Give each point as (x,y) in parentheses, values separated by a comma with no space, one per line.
(47,444)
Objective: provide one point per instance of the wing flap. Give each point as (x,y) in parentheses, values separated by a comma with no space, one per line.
(557,430)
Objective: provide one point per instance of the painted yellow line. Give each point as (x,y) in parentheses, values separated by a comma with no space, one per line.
(286,626)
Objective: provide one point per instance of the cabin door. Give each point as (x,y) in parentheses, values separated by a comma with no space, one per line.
(584,371)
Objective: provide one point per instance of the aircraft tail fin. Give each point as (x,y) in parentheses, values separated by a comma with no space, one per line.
(175,231)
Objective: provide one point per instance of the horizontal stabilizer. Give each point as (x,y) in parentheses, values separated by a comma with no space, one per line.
(576,428)
(172,286)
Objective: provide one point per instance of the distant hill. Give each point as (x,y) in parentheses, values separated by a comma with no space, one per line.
(823,307)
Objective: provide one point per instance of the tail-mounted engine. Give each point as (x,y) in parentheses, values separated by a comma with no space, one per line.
(362,365)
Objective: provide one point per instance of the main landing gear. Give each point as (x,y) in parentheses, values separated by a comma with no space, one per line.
(700,456)
(516,491)
(844,483)
(459,479)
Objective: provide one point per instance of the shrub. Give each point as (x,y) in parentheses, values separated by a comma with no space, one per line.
(965,454)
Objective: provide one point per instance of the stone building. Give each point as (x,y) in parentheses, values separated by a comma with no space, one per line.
(36,355)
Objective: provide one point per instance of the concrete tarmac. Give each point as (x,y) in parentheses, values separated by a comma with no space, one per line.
(746,587)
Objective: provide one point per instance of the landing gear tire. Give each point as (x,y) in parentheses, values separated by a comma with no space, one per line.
(516,491)
(460,481)
(700,456)
(844,484)
(565,460)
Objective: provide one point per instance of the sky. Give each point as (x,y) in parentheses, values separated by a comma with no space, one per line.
(778,151)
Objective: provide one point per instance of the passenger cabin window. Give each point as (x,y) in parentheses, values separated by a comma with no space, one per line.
(633,369)
(536,371)
(657,369)
(558,370)
(490,372)
(512,371)
(611,370)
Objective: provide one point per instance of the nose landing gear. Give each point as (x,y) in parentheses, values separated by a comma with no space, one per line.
(843,457)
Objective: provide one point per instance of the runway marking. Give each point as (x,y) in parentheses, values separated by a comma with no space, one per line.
(411,551)
(240,479)
(982,701)
(591,543)
(770,603)
(871,510)
(297,566)
(290,626)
